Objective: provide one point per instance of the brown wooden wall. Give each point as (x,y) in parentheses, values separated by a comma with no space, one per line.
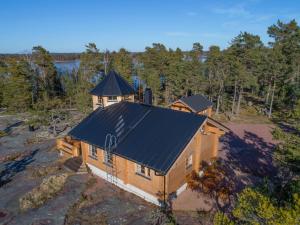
(184,108)
(129,98)
(180,107)
(126,171)
(176,176)
(203,146)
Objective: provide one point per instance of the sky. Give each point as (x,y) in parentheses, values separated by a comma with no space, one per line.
(67,25)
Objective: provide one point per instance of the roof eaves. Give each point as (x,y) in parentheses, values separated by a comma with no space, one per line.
(185,145)
(183,102)
(218,124)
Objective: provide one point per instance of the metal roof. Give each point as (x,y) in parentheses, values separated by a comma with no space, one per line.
(112,85)
(196,102)
(148,135)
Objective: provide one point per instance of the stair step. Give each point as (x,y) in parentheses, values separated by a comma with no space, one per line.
(73,163)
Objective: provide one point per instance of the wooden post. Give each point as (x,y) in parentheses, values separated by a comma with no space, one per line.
(125,171)
(197,152)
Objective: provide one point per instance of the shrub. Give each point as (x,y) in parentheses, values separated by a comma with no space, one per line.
(221,219)
(2,133)
(49,187)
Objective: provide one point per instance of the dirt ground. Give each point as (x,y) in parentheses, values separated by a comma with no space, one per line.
(247,151)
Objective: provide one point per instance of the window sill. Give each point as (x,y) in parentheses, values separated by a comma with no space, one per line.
(93,157)
(142,175)
(188,167)
(108,164)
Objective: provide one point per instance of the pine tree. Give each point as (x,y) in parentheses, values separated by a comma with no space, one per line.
(17,92)
(122,63)
(48,81)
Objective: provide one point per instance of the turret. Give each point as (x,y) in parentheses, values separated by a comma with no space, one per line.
(112,89)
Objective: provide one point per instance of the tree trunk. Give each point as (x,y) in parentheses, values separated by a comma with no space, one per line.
(239,101)
(268,94)
(218,104)
(272,99)
(234,97)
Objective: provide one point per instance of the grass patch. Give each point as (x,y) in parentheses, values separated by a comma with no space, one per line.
(43,171)
(75,213)
(3,133)
(11,157)
(38,196)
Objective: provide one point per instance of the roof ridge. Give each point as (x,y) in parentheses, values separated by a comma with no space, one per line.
(116,76)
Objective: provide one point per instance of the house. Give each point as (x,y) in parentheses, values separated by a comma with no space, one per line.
(112,89)
(143,149)
(195,103)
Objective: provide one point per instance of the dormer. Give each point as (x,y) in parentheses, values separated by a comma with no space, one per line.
(196,103)
(112,89)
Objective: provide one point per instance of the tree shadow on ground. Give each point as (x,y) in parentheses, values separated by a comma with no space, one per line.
(287,128)
(10,127)
(250,157)
(14,167)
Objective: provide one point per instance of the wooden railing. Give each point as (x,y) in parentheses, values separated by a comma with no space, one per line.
(69,148)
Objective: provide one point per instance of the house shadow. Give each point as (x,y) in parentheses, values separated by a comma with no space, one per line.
(14,167)
(247,160)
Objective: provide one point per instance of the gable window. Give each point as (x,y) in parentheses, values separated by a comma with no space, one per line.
(189,161)
(127,98)
(142,170)
(100,100)
(112,98)
(93,151)
(108,158)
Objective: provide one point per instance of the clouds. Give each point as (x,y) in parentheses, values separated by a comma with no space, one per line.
(233,11)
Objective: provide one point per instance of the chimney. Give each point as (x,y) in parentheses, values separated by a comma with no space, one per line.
(189,93)
(148,96)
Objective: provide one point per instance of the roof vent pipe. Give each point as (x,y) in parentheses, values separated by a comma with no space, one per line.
(148,96)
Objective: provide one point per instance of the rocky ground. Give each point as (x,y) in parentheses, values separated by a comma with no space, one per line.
(27,158)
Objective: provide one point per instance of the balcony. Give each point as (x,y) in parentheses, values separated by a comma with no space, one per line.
(68,147)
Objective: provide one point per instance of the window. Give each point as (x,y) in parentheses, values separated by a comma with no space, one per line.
(189,161)
(112,98)
(93,151)
(142,170)
(108,158)
(127,98)
(100,100)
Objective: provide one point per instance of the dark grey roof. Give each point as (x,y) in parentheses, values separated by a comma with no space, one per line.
(112,85)
(149,135)
(196,102)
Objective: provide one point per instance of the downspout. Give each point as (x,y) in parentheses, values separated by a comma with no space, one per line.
(159,175)
(164,190)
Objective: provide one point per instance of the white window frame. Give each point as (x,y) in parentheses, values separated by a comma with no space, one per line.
(143,170)
(112,98)
(99,100)
(93,151)
(108,158)
(189,161)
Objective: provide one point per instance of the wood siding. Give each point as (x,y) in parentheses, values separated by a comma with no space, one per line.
(176,176)
(126,171)
(184,108)
(105,102)
(180,107)
(203,146)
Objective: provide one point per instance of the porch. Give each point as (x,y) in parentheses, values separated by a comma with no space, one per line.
(68,147)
